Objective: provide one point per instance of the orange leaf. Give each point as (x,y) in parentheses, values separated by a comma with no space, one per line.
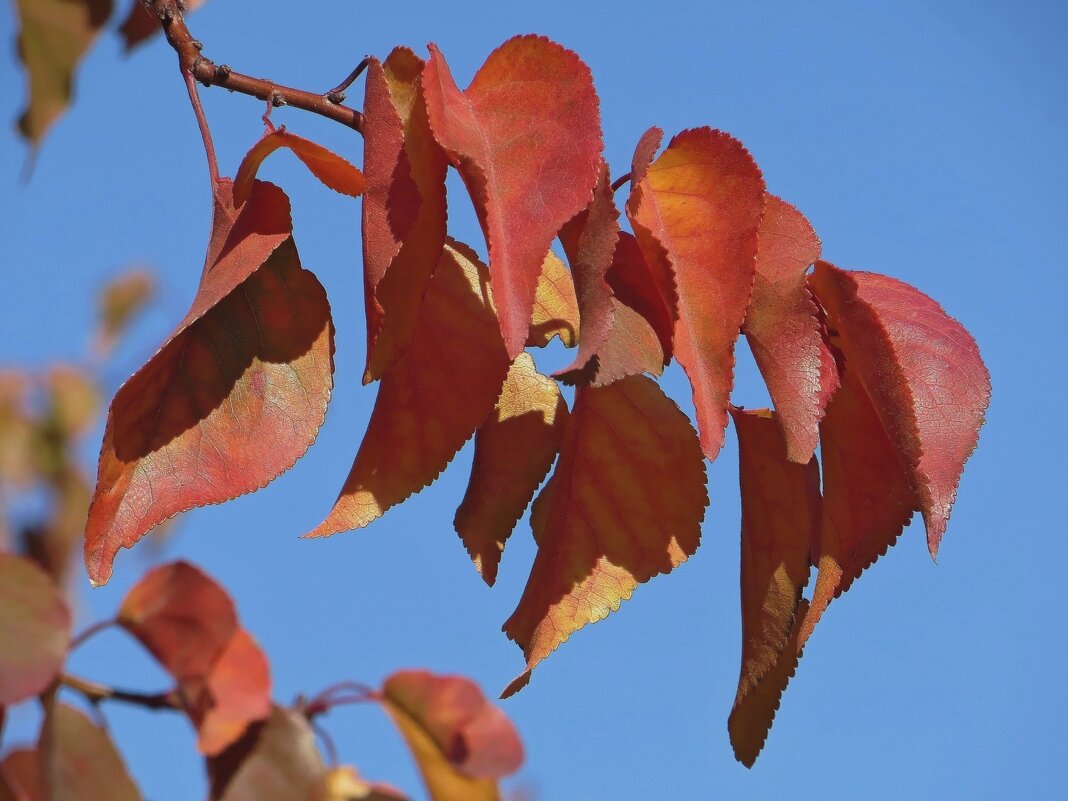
(237,694)
(780,527)
(624,504)
(783,328)
(141,25)
(35,627)
(53,37)
(461,742)
(702,200)
(80,761)
(556,309)
(233,398)
(432,398)
(923,372)
(514,450)
(403,208)
(335,172)
(526,138)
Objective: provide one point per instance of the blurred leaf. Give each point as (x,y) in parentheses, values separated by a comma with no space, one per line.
(284,764)
(345,784)
(119,303)
(81,762)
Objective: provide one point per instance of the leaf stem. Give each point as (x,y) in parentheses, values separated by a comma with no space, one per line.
(337,94)
(80,639)
(616,184)
(205,131)
(94,693)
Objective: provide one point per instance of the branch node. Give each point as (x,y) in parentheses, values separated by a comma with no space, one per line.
(337,98)
(222,73)
(277,99)
(199,45)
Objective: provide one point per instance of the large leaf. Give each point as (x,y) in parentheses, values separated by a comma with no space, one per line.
(403,207)
(461,742)
(526,139)
(432,398)
(235,395)
(783,328)
(80,761)
(702,200)
(35,625)
(780,528)
(53,37)
(624,504)
(514,450)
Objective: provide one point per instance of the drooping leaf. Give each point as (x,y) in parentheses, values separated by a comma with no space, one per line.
(526,139)
(701,201)
(432,398)
(461,742)
(237,695)
(345,784)
(235,395)
(404,210)
(118,304)
(141,25)
(923,372)
(784,331)
(514,449)
(780,528)
(333,171)
(53,37)
(624,504)
(80,761)
(35,625)
(556,309)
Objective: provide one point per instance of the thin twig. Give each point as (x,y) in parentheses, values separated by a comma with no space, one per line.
(205,132)
(337,94)
(95,693)
(616,184)
(80,639)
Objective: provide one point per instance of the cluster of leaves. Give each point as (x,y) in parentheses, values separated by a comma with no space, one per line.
(866,369)
(253,748)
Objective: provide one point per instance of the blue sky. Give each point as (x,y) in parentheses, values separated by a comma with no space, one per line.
(924,140)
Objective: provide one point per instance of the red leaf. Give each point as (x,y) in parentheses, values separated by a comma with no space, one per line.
(514,450)
(702,201)
(526,138)
(644,153)
(35,627)
(624,504)
(923,372)
(233,398)
(641,277)
(237,694)
(780,527)
(443,386)
(783,328)
(335,172)
(403,207)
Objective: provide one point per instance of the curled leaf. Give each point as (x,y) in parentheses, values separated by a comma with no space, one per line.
(335,172)
(556,309)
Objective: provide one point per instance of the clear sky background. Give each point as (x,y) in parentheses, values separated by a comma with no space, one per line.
(925,140)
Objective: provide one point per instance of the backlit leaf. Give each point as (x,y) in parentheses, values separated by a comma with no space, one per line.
(784,331)
(237,694)
(514,450)
(81,762)
(345,784)
(404,210)
(526,139)
(284,764)
(624,504)
(35,625)
(432,398)
(118,304)
(702,201)
(556,309)
(235,395)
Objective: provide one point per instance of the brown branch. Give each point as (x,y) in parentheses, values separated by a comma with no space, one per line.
(209,73)
(620,181)
(95,693)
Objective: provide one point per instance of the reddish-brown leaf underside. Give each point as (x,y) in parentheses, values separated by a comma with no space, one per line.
(783,328)
(404,210)
(234,396)
(514,449)
(525,137)
(624,504)
(35,623)
(556,309)
(780,527)
(702,200)
(432,398)
(924,375)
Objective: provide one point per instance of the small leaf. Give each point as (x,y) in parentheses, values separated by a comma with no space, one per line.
(233,398)
(141,24)
(81,762)
(333,171)
(238,694)
(432,398)
(526,139)
(404,212)
(783,328)
(701,201)
(73,400)
(35,625)
(514,450)
(283,765)
(624,504)
(556,309)
(118,304)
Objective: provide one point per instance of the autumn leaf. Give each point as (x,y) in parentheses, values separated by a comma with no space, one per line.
(35,625)
(923,372)
(140,24)
(514,450)
(284,763)
(431,400)
(556,309)
(20,776)
(235,395)
(80,761)
(237,694)
(624,504)
(118,304)
(783,328)
(702,200)
(461,742)
(345,784)
(54,36)
(404,210)
(525,137)
(780,529)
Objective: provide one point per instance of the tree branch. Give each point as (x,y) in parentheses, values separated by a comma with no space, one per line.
(95,693)
(209,73)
